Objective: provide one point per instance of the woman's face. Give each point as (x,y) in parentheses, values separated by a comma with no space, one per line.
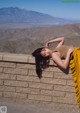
(45,52)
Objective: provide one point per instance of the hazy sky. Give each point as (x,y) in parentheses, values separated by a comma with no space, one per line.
(69,9)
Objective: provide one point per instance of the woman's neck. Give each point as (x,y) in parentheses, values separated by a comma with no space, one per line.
(50,53)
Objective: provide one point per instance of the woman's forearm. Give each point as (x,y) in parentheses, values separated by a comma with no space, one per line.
(66,61)
(56,40)
(60,40)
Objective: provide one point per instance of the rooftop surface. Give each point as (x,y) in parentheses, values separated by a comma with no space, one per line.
(13,107)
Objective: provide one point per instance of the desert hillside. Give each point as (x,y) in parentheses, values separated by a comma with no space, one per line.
(25,40)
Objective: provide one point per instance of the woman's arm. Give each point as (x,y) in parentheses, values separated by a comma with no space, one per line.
(60,40)
(62,63)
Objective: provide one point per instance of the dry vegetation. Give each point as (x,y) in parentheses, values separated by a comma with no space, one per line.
(25,40)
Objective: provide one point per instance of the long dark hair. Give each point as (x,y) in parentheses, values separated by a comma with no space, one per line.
(41,62)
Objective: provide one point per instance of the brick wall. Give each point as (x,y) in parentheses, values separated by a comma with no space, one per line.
(19,82)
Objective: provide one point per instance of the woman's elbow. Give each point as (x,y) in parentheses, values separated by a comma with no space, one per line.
(64,66)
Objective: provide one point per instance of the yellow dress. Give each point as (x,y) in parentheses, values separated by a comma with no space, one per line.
(74,66)
(75,69)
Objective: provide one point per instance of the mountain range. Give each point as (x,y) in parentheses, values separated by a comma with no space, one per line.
(17,15)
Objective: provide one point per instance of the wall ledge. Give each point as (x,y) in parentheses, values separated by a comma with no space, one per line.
(20,58)
(11,57)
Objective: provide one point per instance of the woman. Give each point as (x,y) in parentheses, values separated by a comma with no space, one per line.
(43,55)
(70,54)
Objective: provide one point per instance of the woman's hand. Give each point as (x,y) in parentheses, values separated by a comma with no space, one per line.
(70,50)
(47,44)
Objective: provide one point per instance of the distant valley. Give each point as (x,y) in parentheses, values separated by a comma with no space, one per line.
(25,40)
